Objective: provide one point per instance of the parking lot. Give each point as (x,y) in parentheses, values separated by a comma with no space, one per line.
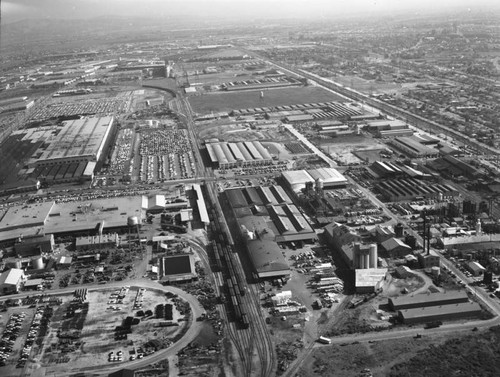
(163,156)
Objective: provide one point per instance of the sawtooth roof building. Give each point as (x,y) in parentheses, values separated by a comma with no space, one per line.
(241,154)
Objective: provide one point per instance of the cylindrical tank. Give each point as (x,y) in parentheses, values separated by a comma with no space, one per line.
(367,260)
(373,255)
(435,271)
(320,184)
(132,221)
(38,263)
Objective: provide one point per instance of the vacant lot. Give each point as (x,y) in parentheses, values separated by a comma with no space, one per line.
(250,99)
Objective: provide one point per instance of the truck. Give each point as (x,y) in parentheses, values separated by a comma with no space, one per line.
(324,340)
(433,324)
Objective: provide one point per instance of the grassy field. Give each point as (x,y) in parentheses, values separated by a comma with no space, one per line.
(250,99)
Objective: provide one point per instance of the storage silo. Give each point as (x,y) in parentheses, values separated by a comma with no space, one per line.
(373,256)
(37,263)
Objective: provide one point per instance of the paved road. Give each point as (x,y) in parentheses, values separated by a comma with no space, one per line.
(191,333)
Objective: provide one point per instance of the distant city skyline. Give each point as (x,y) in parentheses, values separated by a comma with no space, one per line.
(13,10)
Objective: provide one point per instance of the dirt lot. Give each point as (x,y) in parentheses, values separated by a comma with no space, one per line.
(250,99)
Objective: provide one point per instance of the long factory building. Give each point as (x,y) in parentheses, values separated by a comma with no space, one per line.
(396,190)
(79,140)
(241,154)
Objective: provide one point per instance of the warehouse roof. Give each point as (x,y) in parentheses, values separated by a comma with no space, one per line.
(11,277)
(178,264)
(393,243)
(429,299)
(464,308)
(236,198)
(26,215)
(79,137)
(328,175)
(369,277)
(294,177)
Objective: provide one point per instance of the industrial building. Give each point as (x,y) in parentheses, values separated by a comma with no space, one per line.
(443,312)
(349,243)
(78,141)
(475,268)
(396,248)
(428,260)
(91,242)
(426,300)
(11,281)
(177,268)
(34,245)
(413,147)
(242,154)
(324,178)
(195,194)
(73,218)
(389,128)
(396,190)
(369,280)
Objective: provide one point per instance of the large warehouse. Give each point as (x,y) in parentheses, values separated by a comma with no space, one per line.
(328,177)
(78,141)
(75,218)
(437,313)
(241,154)
(413,148)
(426,300)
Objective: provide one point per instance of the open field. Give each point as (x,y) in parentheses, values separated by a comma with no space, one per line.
(251,99)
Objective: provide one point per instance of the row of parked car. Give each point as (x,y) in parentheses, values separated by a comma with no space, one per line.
(10,335)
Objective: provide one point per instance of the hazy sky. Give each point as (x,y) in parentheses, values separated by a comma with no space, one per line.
(19,9)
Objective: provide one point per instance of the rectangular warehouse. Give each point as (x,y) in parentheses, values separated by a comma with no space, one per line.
(79,140)
(426,300)
(436,313)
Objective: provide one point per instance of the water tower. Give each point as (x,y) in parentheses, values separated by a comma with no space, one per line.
(320,184)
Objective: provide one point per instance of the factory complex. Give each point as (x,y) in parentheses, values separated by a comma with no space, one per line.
(266,217)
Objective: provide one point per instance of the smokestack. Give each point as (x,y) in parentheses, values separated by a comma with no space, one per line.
(429,240)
